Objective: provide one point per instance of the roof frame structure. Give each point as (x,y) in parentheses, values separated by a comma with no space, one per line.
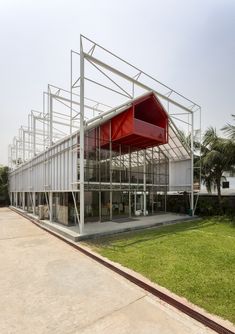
(120,83)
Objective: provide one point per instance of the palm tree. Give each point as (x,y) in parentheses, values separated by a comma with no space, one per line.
(217,157)
(229,130)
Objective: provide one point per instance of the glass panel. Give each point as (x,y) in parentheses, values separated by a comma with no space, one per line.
(105,205)
(120,205)
(91,199)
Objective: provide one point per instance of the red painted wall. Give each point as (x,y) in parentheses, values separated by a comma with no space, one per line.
(142,125)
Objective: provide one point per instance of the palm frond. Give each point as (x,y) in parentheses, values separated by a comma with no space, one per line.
(210,136)
(229,130)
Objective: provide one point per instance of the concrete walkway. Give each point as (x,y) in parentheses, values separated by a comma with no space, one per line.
(96,229)
(46,286)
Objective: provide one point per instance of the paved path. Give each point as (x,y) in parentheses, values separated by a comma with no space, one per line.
(46,286)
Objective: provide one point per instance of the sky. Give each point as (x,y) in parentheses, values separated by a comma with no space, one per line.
(188,45)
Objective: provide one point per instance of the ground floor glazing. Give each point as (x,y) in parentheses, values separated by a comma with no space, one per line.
(100,206)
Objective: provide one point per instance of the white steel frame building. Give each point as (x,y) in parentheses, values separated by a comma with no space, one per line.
(54,172)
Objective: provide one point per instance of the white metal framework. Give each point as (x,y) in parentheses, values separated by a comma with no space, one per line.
(47,154)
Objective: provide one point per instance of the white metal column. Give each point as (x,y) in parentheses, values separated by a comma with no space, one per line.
(81,138)
(34,135)
(51,119)
(110,175)
(23,145)
(192,166)
(144,177)
(100,207)
(50,205)
(75,206)
(34,202)
(135,202)
(23,201)
(129,202)
(129,181)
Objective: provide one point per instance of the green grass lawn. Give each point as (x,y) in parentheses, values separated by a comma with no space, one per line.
(193,259)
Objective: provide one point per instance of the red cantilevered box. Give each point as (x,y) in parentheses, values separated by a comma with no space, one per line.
(143,124)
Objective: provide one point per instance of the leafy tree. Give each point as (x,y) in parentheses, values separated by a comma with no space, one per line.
(217,157)
(4,198)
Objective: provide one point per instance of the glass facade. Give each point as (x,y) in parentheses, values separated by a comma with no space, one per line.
(119,180)
(118,176)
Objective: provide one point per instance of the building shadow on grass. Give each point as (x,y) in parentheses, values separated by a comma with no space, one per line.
(151,234)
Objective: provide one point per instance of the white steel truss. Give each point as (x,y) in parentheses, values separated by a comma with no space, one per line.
(95,74)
